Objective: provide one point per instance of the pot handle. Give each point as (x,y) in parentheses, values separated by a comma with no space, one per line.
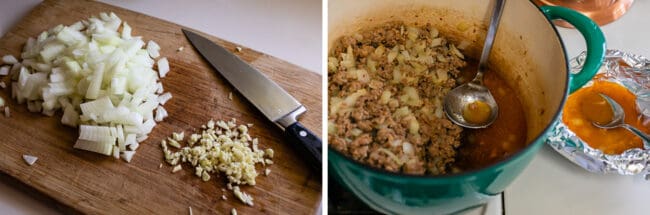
(595,43)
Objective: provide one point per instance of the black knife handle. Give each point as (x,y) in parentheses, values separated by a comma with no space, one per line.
(307,144)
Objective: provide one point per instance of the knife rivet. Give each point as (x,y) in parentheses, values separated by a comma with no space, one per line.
(302,133)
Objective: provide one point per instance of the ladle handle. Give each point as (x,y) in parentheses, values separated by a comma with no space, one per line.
(497,11)
(595,43)
(645,137)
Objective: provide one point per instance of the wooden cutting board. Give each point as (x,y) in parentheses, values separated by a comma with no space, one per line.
(81,181)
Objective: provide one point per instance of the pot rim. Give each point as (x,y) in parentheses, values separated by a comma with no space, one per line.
(489,168)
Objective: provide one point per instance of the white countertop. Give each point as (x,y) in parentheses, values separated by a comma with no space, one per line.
(554,185)
(287,29)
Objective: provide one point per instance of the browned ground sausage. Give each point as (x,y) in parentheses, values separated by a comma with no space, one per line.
(384,134)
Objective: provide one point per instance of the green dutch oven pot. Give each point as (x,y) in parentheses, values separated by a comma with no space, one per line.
(528,53)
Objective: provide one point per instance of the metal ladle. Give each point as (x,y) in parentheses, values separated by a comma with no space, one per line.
(460,97)
(619,121)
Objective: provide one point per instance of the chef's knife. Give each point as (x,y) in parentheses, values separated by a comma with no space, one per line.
(275,103)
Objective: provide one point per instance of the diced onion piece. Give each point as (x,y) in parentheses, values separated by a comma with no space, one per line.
(410,97)
(51,50)
(118,85)
(413,125)
(116,152)
(4,70)
(94,133)
(77,26)
(9,59)
(57,75)
(70,117)
(177,168)
(23,76)
(436,42)
(407,148)
(127,155)
(161,113)
(147,126)
(463,44)
(332,64)
(402,112)
(397,76)
(73,67)
(98,147)
(348,60)
(163,67)
(153,48)
(30,160)
(164,98)
(141,138)
(356,132)
(126,31)
(434,32)
(385,97)
(130,139)
(97,107)
(391,155)
(412,33)
(362,75)
(456,51)
(159,88)
(96,82)
(7,112)
(121,142)
(352,98)
(131,129)
(71,36)
(134,146)
(335,105)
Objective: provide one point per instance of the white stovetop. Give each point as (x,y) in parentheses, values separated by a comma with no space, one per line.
(287,29)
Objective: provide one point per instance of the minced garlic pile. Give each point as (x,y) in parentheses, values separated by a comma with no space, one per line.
(220,147)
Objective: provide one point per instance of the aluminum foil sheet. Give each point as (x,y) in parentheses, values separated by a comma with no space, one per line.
(633,72)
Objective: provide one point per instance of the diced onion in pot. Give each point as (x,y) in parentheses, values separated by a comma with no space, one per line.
(463,44)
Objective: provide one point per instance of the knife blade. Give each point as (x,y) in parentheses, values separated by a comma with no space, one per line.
(267,96)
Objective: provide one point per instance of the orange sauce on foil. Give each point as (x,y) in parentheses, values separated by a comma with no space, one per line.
(586,106)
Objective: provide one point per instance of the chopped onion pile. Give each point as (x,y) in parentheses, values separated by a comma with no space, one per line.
(101,77)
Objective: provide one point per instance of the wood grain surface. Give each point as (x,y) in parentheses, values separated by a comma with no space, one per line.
(85,182)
